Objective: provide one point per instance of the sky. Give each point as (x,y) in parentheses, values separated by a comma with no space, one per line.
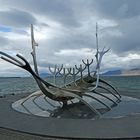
(65,31)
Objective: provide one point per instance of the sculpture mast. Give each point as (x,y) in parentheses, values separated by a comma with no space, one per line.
(97,47)
(34,44)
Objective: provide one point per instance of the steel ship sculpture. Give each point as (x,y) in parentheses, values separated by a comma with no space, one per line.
(86,88)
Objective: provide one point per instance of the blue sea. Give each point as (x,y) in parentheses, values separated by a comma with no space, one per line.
(27,84)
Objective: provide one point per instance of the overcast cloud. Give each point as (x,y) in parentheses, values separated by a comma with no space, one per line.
(65,32)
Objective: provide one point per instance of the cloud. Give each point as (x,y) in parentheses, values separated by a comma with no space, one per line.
(119,10)
(65,30)
(16,18)
(123,39)
(58,10)
(3,41)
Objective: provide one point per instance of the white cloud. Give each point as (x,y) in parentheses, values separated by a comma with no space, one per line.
(65,31)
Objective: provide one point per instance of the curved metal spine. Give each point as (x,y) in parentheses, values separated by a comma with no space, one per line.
(80,69)
(84,102)
(97,100)
(18,62)
(115,95)
(41,108)
(109,92)
(73,74)
(27,109)
(53,73)
(33,53)
(62,74)
(99,55)
(105,97)
(48,92)
(66,75)
(102,81)
(110,86)
(87,64)
(22,104)
(49,102)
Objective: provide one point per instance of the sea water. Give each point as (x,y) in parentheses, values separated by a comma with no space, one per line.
(28,84)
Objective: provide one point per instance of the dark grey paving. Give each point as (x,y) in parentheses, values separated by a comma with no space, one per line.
(6,134)
(128,127)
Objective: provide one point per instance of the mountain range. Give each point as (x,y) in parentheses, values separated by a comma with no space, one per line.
(117,72)
(123,72)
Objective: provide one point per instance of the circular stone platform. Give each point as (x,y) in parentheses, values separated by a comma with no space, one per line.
(39,105)
(123,121)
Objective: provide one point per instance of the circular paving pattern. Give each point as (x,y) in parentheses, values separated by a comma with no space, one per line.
(39,105)
(123,121)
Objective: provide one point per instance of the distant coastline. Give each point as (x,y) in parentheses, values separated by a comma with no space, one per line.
(119,72)
(11,77)
(123,72)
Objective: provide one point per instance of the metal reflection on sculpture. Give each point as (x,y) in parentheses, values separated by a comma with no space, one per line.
(86,87)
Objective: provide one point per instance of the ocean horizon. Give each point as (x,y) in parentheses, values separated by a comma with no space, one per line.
(19,85)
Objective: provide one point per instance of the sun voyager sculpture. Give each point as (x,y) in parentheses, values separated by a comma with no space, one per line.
(81,106)
(86,96)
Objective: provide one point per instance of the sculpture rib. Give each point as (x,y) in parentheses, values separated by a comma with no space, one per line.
(49,94)
(110,92)
(62,95)
(76,89)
